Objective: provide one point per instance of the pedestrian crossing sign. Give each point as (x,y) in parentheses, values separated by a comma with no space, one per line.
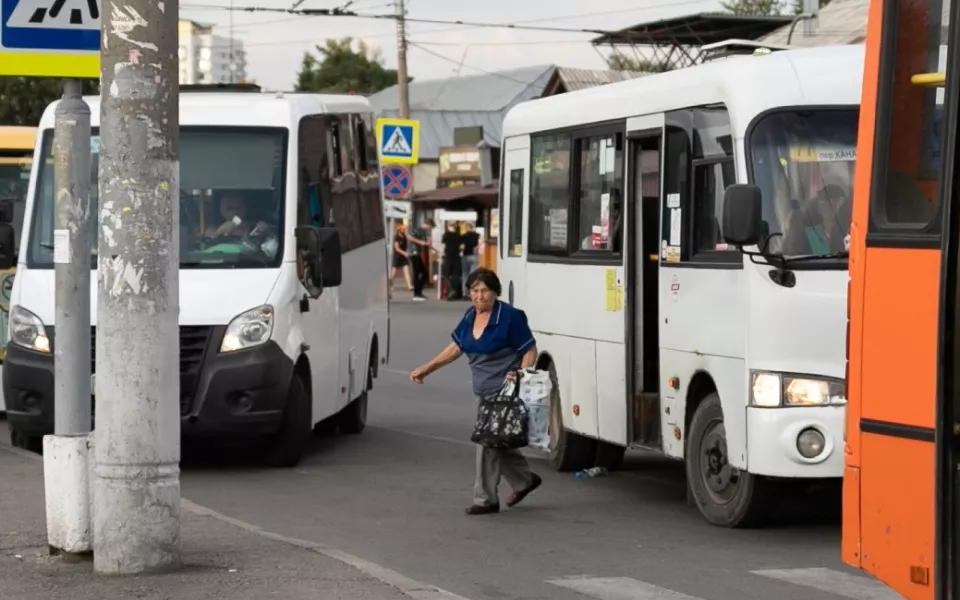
(50,38)
(399,141)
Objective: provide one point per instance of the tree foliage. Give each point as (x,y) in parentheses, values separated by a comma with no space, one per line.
(23,99)
(765,8)
(338,68)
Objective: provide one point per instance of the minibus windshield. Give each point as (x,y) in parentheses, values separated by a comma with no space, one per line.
(231,198)
(803,162)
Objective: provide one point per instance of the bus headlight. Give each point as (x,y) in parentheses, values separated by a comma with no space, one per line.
(27,330)
(249,329)
(771,390)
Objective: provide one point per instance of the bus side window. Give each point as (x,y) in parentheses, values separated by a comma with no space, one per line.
(905,189)
(313,198)
(515,199)
(698,168)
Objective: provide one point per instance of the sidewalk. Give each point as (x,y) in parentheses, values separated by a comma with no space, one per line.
(220,560)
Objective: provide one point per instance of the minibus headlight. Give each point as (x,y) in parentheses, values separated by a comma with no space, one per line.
(27,330)
(772,390)
(249,329)
(799,391)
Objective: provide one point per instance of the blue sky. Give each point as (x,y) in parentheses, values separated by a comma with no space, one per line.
(276,42)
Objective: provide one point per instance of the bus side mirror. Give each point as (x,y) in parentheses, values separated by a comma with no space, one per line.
(318,258)
(742,215)
(8,250)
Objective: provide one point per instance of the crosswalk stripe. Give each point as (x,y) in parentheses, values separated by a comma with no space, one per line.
(833,582)
(618,588)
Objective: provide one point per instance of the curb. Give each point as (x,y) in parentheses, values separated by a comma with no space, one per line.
(409,587)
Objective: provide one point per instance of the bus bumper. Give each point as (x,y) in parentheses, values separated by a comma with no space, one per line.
(773,437)
(237,394)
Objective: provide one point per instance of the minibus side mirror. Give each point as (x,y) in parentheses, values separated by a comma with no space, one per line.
(331,263)
(308,260)
(742,215)
(8,250)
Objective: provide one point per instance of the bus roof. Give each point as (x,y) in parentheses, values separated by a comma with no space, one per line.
(242,108)
(747,85)
(17,137)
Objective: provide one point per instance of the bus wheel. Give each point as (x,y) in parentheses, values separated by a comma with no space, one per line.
(568,451)
(353,418)
(725,496)
(609,456)
(288,445)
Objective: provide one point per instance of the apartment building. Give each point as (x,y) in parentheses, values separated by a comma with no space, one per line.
(209,58)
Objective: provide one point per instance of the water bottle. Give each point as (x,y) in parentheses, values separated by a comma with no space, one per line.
(591,472)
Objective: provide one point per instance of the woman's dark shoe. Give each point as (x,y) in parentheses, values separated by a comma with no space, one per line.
(488,509)
(519,496)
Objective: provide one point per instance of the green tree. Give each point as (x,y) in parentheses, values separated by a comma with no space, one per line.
(23,99)
(754,8)
(765,8)
(798,7)
(619,62)
(339,68)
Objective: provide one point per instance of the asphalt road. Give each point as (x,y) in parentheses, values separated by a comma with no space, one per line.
(395,496)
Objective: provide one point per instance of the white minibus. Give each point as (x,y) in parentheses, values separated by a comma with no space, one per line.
(274,341)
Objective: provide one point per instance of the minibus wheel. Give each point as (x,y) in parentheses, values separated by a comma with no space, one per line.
(725,496)
(569,451)
(289,444)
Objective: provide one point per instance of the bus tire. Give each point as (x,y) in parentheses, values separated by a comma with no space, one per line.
(568,451)
(725,496)
(609,456)
(289,444)
(353,418)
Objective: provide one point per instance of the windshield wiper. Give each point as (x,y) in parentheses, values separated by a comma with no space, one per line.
(816,257)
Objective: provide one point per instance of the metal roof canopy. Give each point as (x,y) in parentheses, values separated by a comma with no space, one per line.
(678,41)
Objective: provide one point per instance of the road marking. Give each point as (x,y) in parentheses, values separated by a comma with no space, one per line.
(619,588)
(833,582)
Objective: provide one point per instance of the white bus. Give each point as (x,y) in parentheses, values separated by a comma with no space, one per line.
(269,349)
(660,332)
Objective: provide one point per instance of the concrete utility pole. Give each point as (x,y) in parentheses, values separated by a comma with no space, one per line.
(71,257)
(137,493)
(66,454)
(402,87)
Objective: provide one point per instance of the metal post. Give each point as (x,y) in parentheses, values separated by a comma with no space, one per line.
(137,494)
(402,84)
(71,177)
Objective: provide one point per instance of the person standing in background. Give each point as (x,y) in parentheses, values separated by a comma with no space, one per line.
(469,248)
(401,260)
(419,244)
(452,266)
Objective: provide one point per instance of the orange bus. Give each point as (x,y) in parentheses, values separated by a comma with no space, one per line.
(900,504)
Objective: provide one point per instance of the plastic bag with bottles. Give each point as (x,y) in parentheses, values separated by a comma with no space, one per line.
(535,390)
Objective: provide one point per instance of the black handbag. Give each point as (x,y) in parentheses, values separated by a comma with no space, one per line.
(502,420)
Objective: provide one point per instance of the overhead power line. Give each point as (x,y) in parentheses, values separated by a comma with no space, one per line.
(337,12)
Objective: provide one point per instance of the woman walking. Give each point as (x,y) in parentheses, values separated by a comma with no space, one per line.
(497,340)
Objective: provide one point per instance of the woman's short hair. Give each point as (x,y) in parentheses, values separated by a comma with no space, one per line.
(487,277)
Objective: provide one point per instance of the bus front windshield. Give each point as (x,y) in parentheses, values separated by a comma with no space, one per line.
(231,198)
(803,162)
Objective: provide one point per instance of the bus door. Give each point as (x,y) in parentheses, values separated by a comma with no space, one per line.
(897,481)
(946,82)
(514,197)
(642,213)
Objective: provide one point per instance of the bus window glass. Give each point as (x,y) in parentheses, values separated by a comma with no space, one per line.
(549,193)
(516,213)
(710,181)
(803,163)
(14,180)
(231,199)
(601,178)
(906,195)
